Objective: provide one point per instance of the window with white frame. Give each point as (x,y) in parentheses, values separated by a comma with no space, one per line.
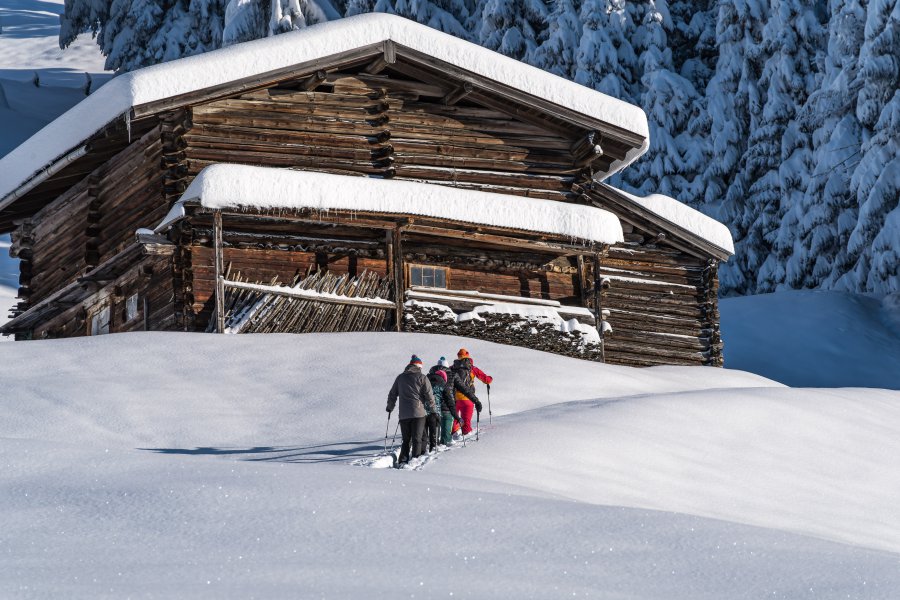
(426,276)
(100,321)
(131,307)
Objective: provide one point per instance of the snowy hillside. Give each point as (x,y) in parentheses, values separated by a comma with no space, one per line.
(223,467)
(815,338)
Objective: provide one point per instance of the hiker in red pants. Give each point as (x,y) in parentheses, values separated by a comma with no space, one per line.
(466,371)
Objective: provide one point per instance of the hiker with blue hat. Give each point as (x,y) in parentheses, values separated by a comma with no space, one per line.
(412,389)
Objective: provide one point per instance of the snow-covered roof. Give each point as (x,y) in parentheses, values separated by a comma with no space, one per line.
(227,186)
(258,57)
(683,216)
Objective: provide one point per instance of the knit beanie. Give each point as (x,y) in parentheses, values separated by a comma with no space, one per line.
(444,363)
(415,360)
(463,353)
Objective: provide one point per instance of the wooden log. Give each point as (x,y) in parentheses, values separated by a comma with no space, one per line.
(220,273)
(310,138)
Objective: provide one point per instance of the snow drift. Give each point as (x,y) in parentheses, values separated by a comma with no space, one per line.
(206,466)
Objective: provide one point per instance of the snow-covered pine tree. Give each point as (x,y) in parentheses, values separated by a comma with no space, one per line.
(876,179)
(511,27)
(818,226)
(694,52)
(731,93)
(557,51)
(605,59)
(669,99)
(245,20)
(137,33)
(252,19)
(780,151)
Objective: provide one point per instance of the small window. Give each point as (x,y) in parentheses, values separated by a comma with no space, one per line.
(131,307)
(435,277)
(100,322)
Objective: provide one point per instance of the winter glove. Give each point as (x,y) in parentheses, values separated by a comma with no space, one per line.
(478,405)
(489,388)
(388,410)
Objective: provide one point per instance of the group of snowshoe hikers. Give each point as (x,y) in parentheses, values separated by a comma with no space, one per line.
(435,406)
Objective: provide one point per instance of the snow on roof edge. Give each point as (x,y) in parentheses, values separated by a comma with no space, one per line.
(680,214)
(223,186)
(118,96)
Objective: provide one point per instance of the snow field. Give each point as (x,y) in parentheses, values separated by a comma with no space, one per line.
(205,466)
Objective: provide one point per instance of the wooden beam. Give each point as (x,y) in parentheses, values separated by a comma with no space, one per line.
(499,240)
(220,272)
(388,57)
(313,81)
(397,272)
(458,94)
(582,280)
(312,295)
(588,148)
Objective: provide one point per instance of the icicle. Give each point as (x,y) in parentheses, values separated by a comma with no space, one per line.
(128,124)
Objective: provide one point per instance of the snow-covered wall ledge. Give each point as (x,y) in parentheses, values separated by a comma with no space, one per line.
(241,187)
(241,61)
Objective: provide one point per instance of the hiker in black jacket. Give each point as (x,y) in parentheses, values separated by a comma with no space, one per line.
(411,387)
(441,377)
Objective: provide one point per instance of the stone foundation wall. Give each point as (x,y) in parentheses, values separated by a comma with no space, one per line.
(503,329)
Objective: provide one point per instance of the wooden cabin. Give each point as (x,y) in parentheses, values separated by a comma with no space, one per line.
(368,174)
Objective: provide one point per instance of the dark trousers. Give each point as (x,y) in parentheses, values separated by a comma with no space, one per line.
(412,435)
(430,434)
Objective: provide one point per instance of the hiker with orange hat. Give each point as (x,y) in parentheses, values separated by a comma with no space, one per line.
(466,371)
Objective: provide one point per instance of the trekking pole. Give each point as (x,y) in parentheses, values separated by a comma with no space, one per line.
(490,415)
(477,424)
(394,439)
(386,427)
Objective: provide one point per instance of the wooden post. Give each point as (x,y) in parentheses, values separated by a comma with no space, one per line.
(398,276)
(220,272)
(598,310)
(582,280)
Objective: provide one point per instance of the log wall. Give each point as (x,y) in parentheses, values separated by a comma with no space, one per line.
(378,126)
(663,307)
(92,221)
(150,279)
